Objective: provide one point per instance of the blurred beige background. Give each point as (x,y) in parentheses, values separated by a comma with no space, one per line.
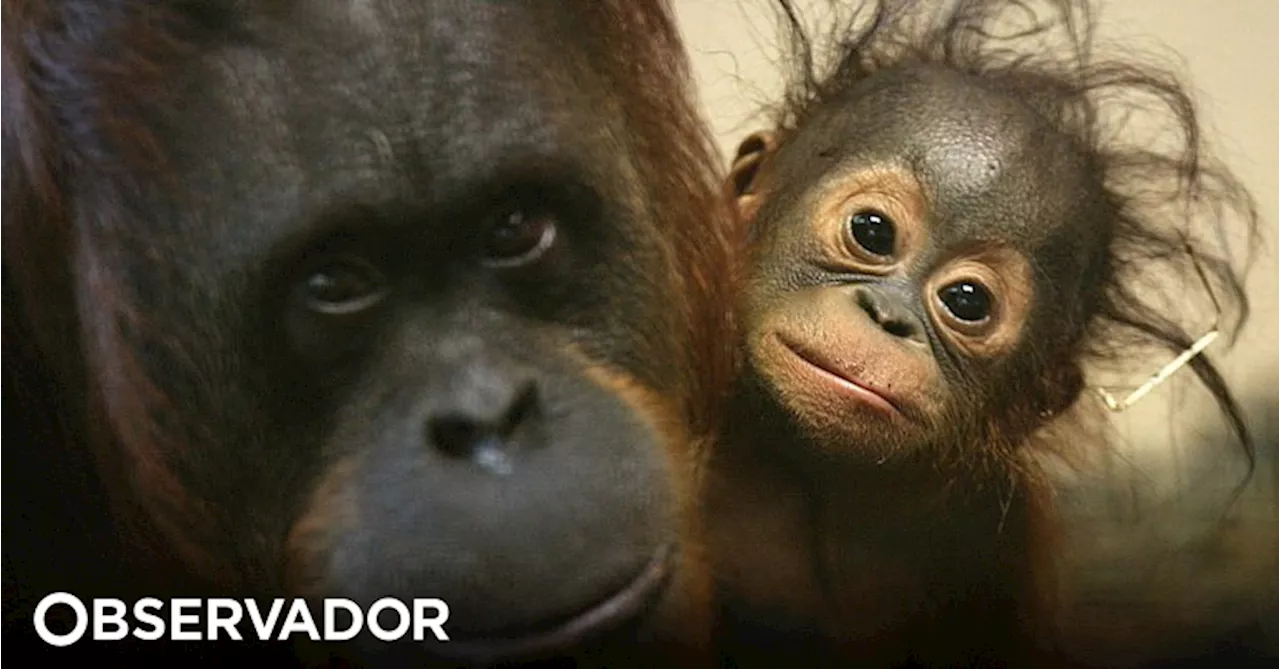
(1159,565)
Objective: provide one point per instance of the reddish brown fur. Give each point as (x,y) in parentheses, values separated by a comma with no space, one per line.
(108,138)
(694,225)
(329,512)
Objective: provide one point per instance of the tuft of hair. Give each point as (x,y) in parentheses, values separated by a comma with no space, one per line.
(1169,276)
(642,49)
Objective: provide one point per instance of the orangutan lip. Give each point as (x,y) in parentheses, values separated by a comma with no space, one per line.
(854,387)
(624,605)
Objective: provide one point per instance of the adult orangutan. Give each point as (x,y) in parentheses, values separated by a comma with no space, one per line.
(362,300)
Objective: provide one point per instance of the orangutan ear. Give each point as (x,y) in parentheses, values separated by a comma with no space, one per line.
(751,154)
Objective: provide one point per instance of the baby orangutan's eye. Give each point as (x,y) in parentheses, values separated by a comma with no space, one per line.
(873,231)
(966,301)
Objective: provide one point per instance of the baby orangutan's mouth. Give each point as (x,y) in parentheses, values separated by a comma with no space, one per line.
(844,382)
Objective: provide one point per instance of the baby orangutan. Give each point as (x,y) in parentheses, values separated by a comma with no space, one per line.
(942,235)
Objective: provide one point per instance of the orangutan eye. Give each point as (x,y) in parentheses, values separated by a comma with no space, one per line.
(343,286)
(967,301)
(519,238)
(873,231)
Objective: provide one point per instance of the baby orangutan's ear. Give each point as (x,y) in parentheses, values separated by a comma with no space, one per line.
(751,154)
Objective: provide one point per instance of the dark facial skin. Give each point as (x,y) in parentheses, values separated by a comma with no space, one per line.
(911,253)
(410,315)
(914,242)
